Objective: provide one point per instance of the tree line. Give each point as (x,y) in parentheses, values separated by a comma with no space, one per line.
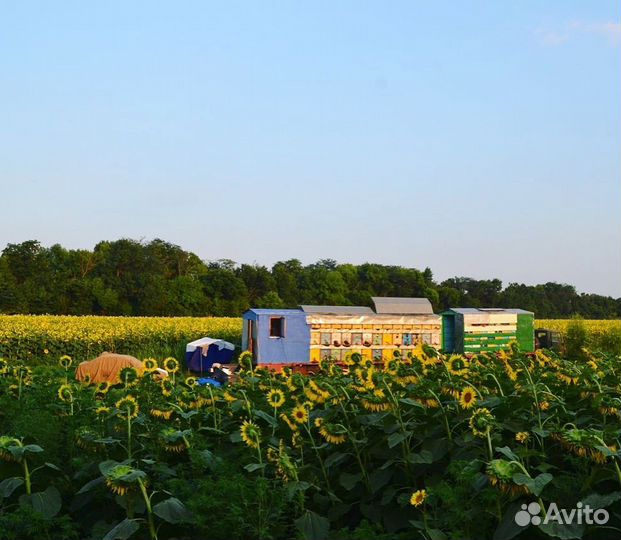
(129,277)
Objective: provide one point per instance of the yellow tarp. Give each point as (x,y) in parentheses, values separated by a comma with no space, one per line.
(106,367)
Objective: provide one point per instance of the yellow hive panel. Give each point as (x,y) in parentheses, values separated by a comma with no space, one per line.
(367,327)
(367,353)
(387,339)
(315,355)
(387,354)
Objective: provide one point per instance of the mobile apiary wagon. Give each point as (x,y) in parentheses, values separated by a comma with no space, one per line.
(471,330)
(311,333)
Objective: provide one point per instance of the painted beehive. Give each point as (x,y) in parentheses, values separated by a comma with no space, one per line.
(471,330)
(311,333)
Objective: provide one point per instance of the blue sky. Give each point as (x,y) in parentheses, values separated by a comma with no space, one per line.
(478,138)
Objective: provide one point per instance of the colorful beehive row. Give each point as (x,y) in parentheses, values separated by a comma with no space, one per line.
(311,333)
(472,330)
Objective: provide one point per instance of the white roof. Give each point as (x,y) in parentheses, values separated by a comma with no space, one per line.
(206,342)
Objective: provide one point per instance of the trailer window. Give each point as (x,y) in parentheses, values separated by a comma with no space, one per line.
(277,327)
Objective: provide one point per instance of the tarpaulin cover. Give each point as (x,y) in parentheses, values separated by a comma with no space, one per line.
(106,367)
(200,355)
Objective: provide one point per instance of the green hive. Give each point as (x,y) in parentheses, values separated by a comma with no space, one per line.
(472,330)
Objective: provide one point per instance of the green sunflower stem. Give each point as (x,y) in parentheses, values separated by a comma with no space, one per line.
(27,479)
(489,443)
(129,435)
(147,503)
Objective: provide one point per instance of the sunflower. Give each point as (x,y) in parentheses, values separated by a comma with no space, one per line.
(122,478)
(171,364)
(65,393)
(65,361)
(481,421)
(127,407)
(167,387)
(173,440)
(149,364)
(500,474)
(250,434)
(160,413)
(522,436)
(300,414)
(418,497)
(128,376)
(286,420)
(102,411)
(6,443)
(102,387)
(276,398)
(332,433)
(467,398)
(544,405)
(457,365)
(191,381)
(245,360)
(86,438)
(4,366)
(375,404)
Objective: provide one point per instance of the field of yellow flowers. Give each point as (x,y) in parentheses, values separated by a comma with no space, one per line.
(427,446)
(29,337)
(39,337)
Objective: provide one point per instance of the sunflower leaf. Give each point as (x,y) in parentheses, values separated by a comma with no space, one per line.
(313,526)
(172,510)
(8,486)
(122,530)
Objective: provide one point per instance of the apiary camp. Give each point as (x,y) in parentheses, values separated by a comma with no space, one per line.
(310,333)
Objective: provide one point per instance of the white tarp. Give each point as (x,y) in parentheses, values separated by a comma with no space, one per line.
(205,342)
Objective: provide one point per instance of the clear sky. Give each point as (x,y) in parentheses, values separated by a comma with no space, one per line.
(481,139)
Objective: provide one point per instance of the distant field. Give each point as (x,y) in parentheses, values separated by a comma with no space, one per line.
(35,337)
(29,337)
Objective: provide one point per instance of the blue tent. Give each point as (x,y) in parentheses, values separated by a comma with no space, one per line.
(201,354)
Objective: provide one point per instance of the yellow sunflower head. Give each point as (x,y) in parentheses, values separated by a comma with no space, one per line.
(65,393)
(481,422)
(128,376)
(191,382)
(418,497)
(457,365)
(102,411)
(250,434)
(123,478)
(167,387)
(150,364)
(171,364)
(102,387)
(276,398)
(467,398)
(300,414)
(522,437)
(127,407)
(65,361)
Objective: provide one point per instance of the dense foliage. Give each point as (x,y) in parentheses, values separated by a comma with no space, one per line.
(429,446)
(127,277)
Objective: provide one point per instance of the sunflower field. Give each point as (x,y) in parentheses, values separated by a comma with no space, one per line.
(36,338)
(427,446)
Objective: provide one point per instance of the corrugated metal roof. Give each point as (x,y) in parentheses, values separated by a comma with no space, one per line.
(267,311)
(398,305)
(338,310)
